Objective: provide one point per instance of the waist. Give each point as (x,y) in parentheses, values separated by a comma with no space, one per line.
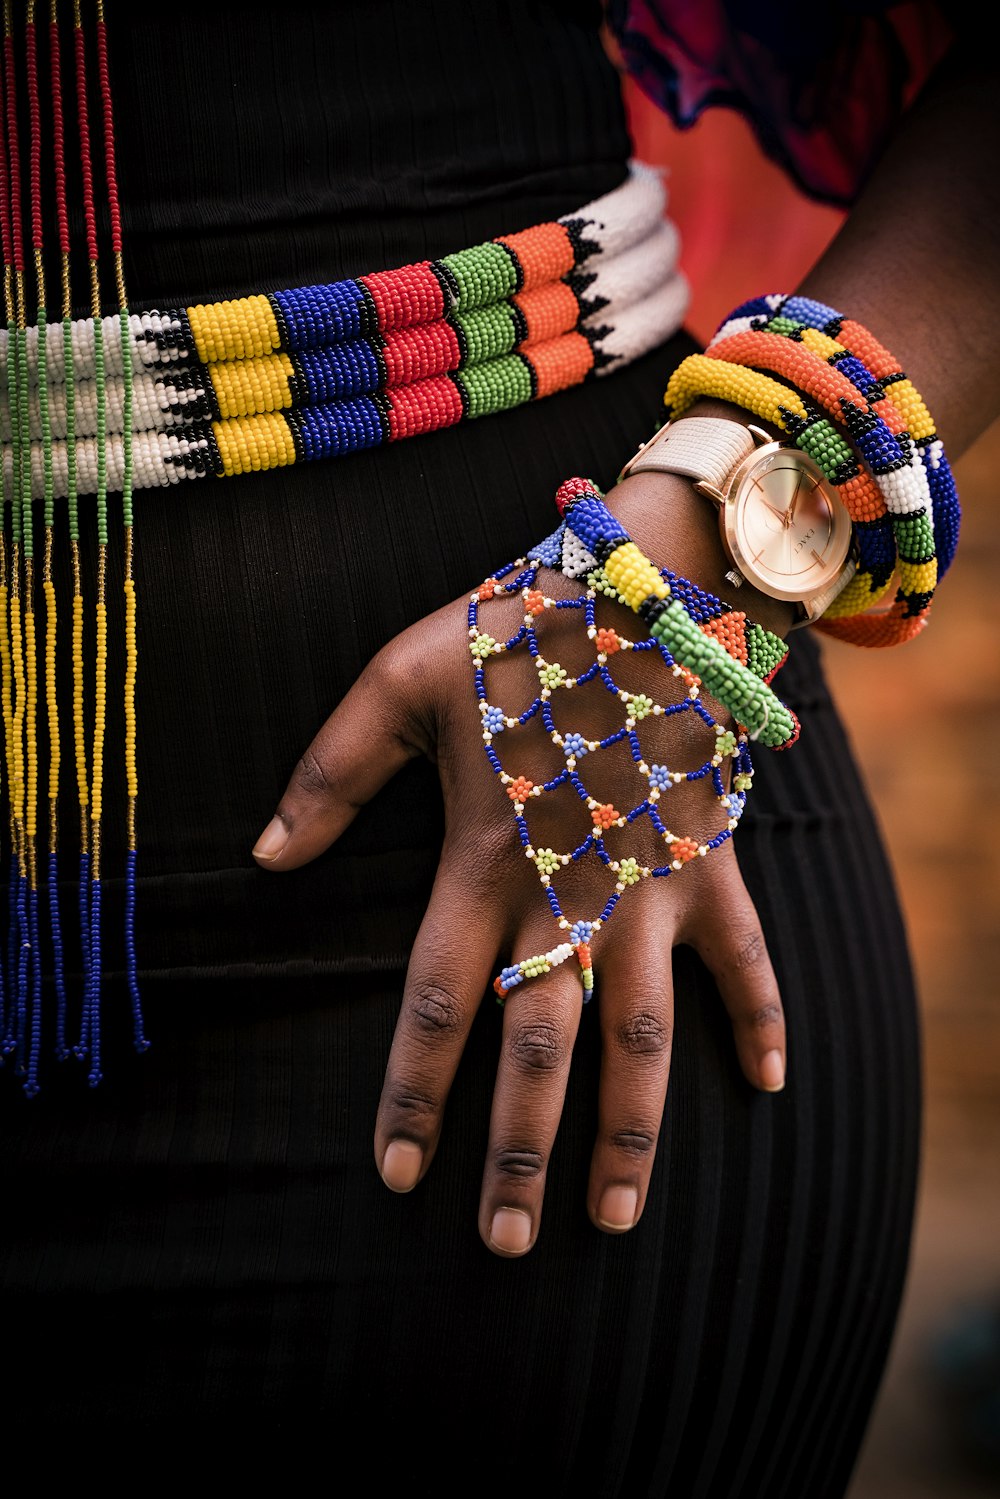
(149,399)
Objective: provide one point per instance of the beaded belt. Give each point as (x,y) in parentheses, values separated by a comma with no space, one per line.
(113,403)
(316,371)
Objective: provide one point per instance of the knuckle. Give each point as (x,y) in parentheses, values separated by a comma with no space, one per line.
(644,1033)
(748,950)
(434,1010)
(537,1046)
(762,1017)
(310,776)
(518,1163)
(411,1110)
(637,1143)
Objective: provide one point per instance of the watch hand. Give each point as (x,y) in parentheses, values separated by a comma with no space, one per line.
(795,500)
(781,514)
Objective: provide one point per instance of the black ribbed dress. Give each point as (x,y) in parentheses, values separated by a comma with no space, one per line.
(202,1244)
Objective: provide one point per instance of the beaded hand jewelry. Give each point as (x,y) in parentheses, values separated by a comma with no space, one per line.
(700,640)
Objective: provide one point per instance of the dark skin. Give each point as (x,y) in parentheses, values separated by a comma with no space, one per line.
(901,250)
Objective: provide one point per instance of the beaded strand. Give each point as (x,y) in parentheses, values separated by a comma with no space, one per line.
(128,583)
(22,1011)
(25,709)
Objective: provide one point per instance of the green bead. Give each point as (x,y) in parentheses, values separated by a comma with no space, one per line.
(488,333)
(496,385)
(483,274)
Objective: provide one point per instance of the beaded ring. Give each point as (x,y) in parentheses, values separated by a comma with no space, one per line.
(716,648)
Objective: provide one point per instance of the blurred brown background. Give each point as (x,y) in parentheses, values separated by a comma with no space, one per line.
(923,723)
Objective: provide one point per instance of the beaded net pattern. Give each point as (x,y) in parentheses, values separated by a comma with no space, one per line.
(560,693)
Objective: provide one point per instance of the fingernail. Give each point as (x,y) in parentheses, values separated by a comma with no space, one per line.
(772,1072)
(401,1165)
(271,841)
(617,1209)
(510,1230)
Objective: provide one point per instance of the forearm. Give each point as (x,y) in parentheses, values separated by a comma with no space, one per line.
(917,262)
(918,258)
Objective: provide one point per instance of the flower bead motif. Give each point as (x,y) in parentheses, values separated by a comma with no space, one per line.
(607,642)
(684,850)
(629,871)
(494,721)
(482,646)
(641,706)
(552,675)
(660,778)
(520,789)
(575,745)
(605,816)
(547,861)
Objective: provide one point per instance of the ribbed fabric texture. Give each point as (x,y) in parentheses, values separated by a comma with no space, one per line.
(202,1245)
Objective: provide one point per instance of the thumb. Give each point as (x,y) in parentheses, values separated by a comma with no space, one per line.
(370,735)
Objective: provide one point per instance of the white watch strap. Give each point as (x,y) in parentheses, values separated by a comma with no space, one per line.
(702,447)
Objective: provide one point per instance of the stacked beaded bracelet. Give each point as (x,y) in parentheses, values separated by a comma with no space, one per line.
(894,479)
(701,640)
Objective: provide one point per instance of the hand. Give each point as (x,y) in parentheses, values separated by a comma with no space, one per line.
(487,906)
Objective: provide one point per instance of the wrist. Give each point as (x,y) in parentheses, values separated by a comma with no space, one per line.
(676,527)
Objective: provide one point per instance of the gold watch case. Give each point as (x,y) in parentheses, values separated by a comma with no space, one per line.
(783,524)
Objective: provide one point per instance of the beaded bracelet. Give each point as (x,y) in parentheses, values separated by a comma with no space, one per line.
(877,375)
(785,407)
(848,348)
(913,534)
(587,533)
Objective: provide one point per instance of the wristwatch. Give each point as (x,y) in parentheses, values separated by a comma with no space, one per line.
(783,525)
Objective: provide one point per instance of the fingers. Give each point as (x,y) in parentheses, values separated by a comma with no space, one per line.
(730,941)
(450,969)
(540,1022)
(636,998)
(365,741)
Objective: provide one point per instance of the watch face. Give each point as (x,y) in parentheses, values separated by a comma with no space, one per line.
(786,526)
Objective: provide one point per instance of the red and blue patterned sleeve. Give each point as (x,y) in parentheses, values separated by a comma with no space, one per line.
(822,84)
